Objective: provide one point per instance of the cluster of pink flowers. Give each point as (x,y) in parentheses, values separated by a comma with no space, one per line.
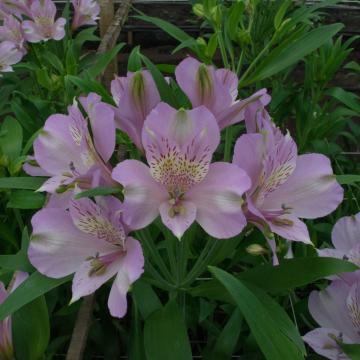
(267,184)
(337,308)
(34,21)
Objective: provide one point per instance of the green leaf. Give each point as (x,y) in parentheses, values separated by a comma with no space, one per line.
(346,97)
(134,62)
(31,330)
(271,340)
(281,13)
(165,335)
(228,338)
(33,287)
(353,65)
(103,60)
(146,299)
(347,179)
(290,274)
(84,36)
(24,183)
(26,199)
(164,88)
(351,350)
(277,60)
(22,116)
(11,138)
(98,191)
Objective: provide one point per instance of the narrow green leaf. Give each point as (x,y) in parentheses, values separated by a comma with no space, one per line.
(24,183)
(271,340)
(164,88)
(11,138)
(351,350)
(98,191)
(165,335)
(347,179)
(146,299)
(290,274)
(103,60)
(226,342)
(346,97)
(281,13)
(26,199)
(277,61)
(33,287)
(31,330)
(134,62)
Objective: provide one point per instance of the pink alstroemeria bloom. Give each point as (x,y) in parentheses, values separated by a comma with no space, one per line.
(181,185)
(12,31)
(135,95)
(345,237)
(285,186)
(91,241)
(6,346)
(43,26)
(16,7)
(66,151)
(9,55)
(337,310)
(86,12)
(216,89)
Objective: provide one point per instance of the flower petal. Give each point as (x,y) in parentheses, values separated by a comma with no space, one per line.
(218,199)
(346,233)
(57,247)
(311,191)
(179,222)
(130,270)
(143,195)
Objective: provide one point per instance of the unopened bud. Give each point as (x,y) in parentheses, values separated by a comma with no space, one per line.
(256,250)
(198,10)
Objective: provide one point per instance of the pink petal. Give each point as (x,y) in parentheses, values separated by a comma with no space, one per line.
(311,191)
(218,199)
(32,32)
(59,29)
(346,233)
(57,247)
(131,269)
(180,222)
(322,341)
(248,154)
(143,195)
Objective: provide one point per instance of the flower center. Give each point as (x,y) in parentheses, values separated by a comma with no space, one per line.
(100,263)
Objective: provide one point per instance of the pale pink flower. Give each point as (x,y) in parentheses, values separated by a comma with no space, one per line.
(12,31)
(91,241)
(9,55)
(42,26)
(181,185)
(86,12)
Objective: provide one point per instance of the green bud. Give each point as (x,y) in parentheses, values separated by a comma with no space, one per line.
(198,10)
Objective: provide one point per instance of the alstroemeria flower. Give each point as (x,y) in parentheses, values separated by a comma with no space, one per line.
(91,241)
(337,310)
(181,185)
(12,31)
(6,345)
(345,237)
(86,12)
(66,151)
(9,55)
(135,95)
(285,186)
(216,89)
(43,26)
(17,7)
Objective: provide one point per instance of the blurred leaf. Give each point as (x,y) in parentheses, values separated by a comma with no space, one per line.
(11,138)
(146,299)
(347,179)
(346,97)
(165,335)
(25,183)
(26,199)
(98,191)
(271,340)
(103,60)
(33,287)
(164,88)
(134,62)
(278,19)
(278,60)
(31,330)
(228,338)
(290,274)
(353,65)
(351,350)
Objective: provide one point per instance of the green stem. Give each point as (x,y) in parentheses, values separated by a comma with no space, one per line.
(228,143)
(222,49)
